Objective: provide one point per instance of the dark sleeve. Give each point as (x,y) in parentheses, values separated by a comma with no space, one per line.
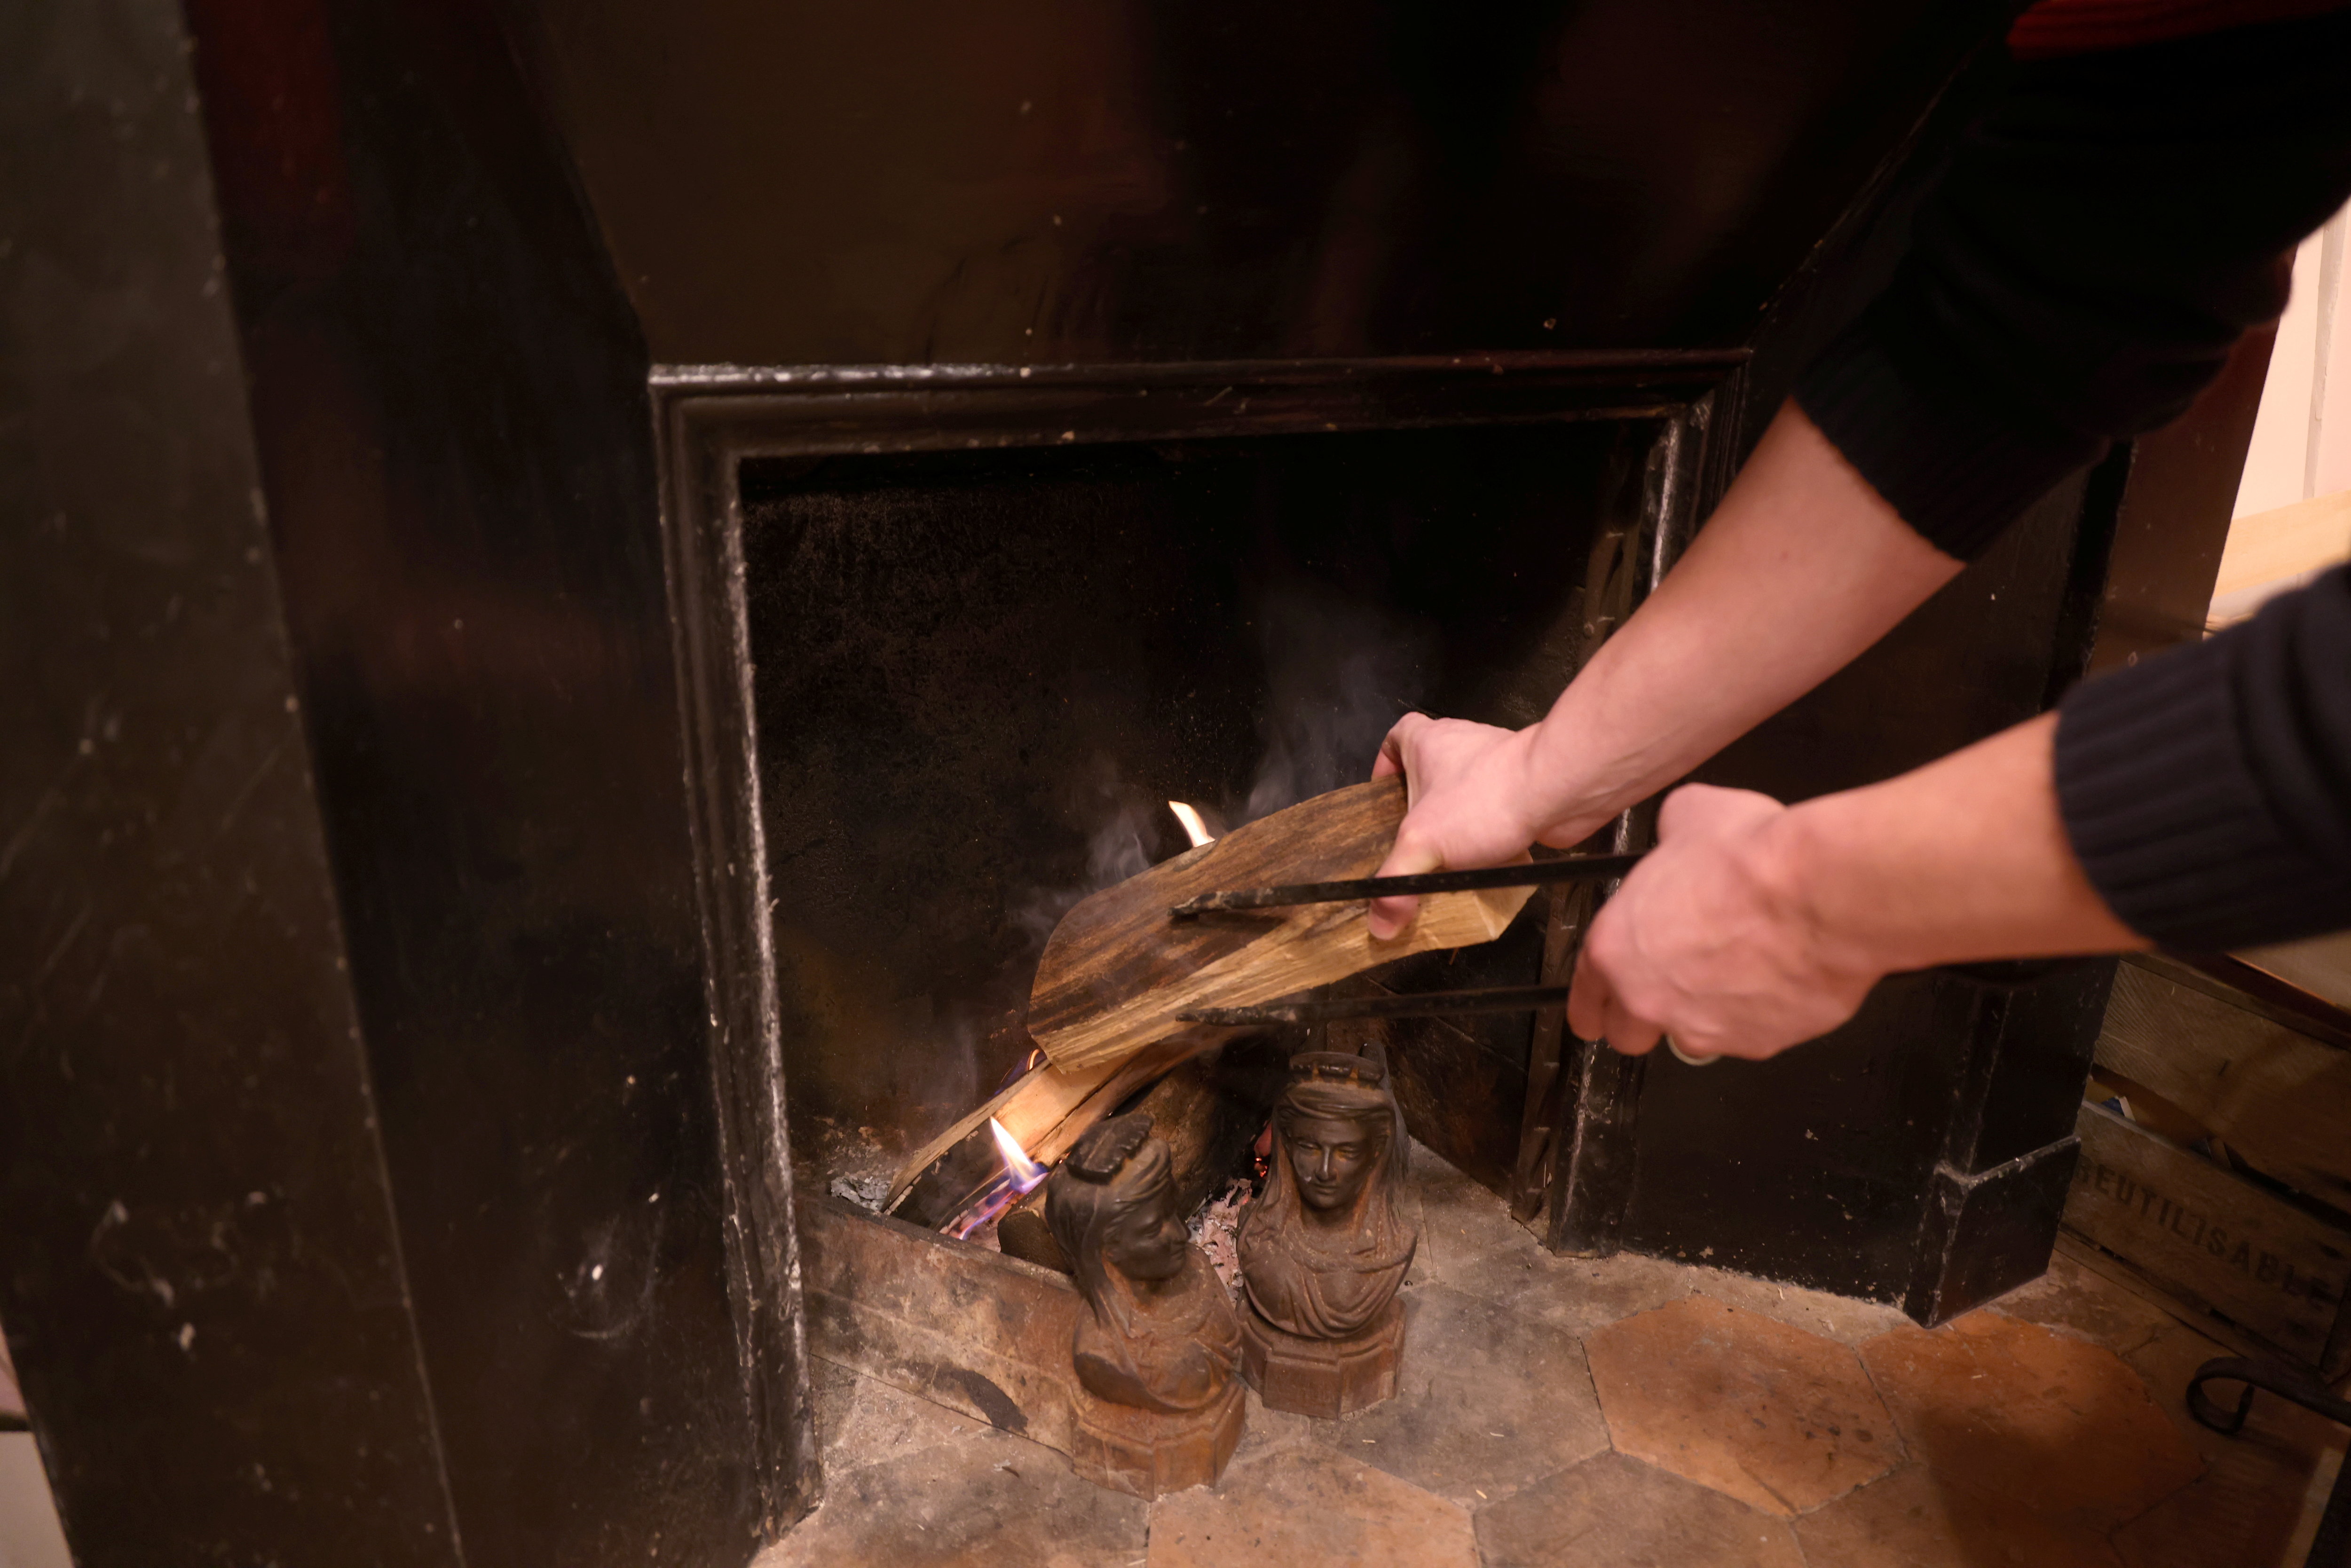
(2207,790)
(2105,233)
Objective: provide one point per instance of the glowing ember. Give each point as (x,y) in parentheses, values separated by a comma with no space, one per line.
(1193,829)
(1018,1177)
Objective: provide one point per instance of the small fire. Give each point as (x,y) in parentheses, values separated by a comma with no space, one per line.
(1019,1178)
(1025,1172)
(1193,829)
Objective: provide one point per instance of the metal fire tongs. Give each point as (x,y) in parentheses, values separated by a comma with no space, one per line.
(1533,874)
(1494,999)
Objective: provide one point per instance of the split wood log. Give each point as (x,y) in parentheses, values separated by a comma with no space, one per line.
(1209,1110)
(1119,970)
(1046,1110)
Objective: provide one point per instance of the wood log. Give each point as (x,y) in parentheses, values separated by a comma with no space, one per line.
(1045,1110)
(1209,1110)
(1023,1234)
(1028,1107)
(1119,970)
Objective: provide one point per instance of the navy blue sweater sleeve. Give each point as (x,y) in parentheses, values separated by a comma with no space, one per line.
(2207,790)
(2105,233)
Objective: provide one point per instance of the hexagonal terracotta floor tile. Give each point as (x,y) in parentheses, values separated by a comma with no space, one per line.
(2246,1505)
(1617,1512)
(2074,1297)
(1779,1418)
(1306,1505)
(1918,1519)
(1844,1318)
(2244,1510)
(2014,1410)
(1583,1295)
(1485,1402)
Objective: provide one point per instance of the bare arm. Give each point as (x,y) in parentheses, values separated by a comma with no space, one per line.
(1754,925)
(1800,569)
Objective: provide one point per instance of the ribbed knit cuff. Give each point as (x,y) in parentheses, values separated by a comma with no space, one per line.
(2166,815)
(1957,471)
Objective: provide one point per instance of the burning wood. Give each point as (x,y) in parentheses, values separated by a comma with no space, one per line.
(1209,1110)
(1118,970)
(1020,1176)
(1045,1110)
(1194,828)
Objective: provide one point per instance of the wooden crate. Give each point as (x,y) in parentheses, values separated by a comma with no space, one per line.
(2277,1271)
(2273,1084)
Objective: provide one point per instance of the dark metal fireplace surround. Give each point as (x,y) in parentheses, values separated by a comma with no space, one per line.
(485,799)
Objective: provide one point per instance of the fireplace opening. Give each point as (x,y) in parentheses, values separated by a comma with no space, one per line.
(981,677)
(956,640)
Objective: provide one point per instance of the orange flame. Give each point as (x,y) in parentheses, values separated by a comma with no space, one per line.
(1194,828)
(1019,1178)
(1025,1172)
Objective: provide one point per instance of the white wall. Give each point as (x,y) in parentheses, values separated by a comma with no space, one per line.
(30,1535)
(2301,450)
(2302,440)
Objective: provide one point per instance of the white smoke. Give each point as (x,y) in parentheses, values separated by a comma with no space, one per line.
(1114,852)
(1338,677)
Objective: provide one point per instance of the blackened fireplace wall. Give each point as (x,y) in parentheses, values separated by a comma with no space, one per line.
(980,677)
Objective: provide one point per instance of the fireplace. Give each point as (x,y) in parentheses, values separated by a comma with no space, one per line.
(953,642)
(994,624)
(956,640)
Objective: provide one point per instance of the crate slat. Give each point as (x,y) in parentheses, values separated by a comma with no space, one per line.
(2280,1098)
(2268,1267)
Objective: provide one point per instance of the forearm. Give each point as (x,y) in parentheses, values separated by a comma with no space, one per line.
(1800,569)
(1964,859)
(1753,926)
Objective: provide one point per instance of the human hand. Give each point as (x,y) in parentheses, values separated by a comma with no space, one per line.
(1713,941)
(1472,804)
